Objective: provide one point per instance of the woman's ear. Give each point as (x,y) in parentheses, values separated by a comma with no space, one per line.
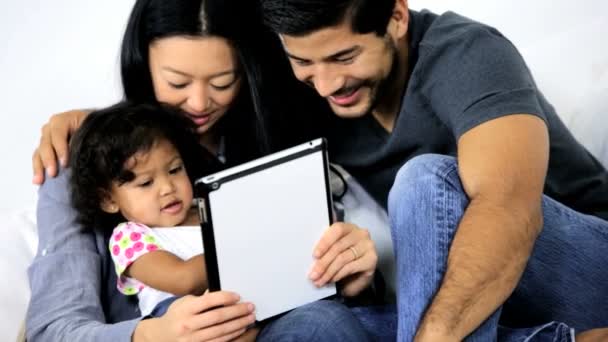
(108,204)
(399,22)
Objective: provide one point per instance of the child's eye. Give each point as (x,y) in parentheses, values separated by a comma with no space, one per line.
(176,169)
(145,184)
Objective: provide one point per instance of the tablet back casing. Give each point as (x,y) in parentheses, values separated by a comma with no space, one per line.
(260,223)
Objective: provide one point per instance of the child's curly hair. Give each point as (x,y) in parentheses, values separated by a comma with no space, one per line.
(109,137)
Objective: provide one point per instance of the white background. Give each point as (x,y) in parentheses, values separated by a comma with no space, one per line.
(56,55)
(63,54)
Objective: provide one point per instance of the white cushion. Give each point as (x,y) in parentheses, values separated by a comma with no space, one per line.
(19,240)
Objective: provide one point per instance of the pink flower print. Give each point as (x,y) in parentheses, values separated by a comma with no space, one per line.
(135,236)
(151,248)
(141,287)
(129,253)
(138,246)
(118,236)
(115,250)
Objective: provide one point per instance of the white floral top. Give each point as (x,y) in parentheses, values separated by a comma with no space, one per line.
(128,242)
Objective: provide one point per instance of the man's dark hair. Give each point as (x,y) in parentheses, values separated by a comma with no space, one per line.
(109,137)
(301,17)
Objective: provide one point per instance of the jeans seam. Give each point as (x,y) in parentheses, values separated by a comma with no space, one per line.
(444,216)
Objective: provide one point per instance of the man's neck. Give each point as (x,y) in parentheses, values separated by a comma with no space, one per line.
(390,102)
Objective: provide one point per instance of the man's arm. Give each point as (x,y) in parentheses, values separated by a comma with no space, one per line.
(502,166)
(65,276)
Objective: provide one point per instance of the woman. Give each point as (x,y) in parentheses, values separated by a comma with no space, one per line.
(201,58)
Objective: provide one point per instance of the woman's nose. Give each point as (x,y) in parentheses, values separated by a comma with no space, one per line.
(198,99)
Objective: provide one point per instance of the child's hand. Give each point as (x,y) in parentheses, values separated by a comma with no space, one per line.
(345,253)
(216,316)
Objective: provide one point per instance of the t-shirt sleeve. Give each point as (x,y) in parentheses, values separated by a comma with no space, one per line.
(128,242)
(474,74)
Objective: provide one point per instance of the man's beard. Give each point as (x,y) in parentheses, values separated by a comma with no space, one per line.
(382,88)
(379,89)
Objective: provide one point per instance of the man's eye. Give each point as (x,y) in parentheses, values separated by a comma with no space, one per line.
(347,60)
(176,170)
(302,62)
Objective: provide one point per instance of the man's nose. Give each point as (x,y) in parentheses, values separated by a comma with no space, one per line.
(326,81)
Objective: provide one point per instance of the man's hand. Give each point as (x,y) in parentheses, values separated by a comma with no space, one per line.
(54,143)
(345,253)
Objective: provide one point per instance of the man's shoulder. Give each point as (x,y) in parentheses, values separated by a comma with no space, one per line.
(450,29)
(56,188)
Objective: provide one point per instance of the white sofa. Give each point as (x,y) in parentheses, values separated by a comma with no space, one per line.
(559,39)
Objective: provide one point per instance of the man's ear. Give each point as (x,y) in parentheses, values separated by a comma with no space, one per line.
(399,22)
(108,204)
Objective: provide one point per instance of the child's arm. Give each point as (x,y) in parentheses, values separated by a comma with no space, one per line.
(166,272)
(140,260)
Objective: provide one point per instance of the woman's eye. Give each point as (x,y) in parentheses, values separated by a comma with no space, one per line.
(176,169)
(221,87)
(178,85)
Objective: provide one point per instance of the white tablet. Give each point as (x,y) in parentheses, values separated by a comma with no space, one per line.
(260,222)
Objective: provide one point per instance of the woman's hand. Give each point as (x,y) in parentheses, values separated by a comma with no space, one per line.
(345,253)
(214,316)
(54,143)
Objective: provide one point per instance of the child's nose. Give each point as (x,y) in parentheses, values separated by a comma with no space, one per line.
(167,187)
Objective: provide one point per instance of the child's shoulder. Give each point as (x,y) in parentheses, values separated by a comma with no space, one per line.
(130,227)
(132,233)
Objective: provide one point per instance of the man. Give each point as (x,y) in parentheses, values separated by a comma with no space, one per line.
(475,239)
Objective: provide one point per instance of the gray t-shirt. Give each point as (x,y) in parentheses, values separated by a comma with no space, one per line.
(463,73)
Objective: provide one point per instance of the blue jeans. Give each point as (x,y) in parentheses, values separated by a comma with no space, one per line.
(324,320)
(564,286)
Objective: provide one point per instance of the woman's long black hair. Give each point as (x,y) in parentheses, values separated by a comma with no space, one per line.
(246,126)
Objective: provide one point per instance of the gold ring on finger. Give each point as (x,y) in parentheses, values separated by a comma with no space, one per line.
(354,250)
